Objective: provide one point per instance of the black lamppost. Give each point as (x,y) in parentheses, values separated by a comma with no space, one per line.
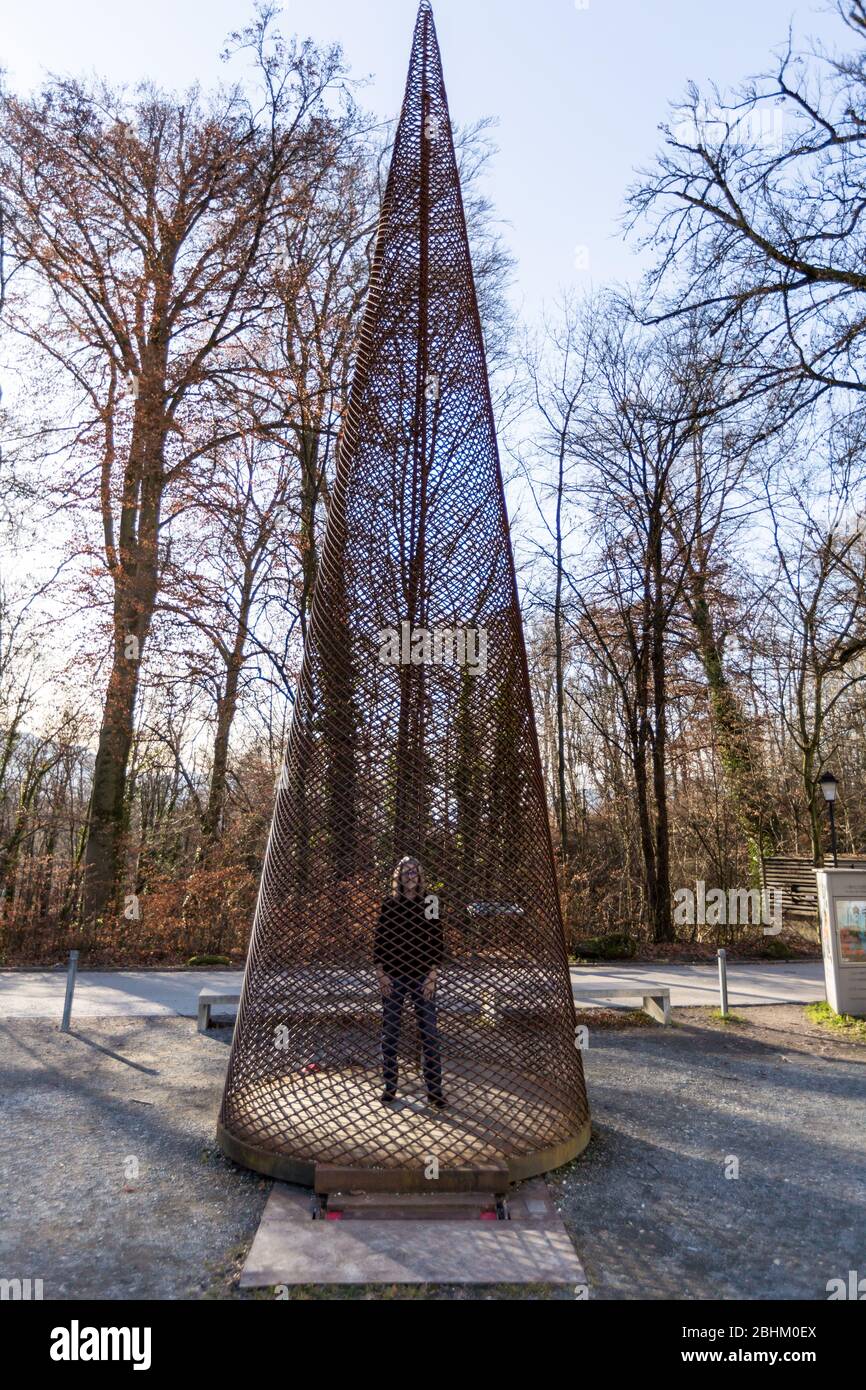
(827,782)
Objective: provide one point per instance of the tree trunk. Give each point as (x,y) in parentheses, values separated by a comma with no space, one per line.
(741,762)
(562,806)
(663,925)
(226,709)
(135,572)
(637,738)
(102,855)
(310,483)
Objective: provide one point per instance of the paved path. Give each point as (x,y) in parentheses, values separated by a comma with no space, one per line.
(110,993)
(161,993)
(800,983)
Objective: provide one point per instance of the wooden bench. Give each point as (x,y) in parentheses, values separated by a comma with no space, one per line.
(209,999)
(656,1000)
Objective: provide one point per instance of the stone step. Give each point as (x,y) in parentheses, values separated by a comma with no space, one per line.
(411,1252)
(292,1248)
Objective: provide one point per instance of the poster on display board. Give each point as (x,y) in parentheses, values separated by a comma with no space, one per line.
(851,926)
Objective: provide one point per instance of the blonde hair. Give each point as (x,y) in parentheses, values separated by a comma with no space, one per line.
(397,876)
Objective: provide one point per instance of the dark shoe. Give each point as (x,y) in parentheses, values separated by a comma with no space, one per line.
(388,1096)
(437,1100)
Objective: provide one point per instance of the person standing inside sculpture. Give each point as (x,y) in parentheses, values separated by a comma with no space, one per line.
(407,954)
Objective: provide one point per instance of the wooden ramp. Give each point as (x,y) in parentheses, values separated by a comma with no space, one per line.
(794,878)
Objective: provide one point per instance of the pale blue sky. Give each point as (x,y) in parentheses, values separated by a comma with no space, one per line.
(578,92)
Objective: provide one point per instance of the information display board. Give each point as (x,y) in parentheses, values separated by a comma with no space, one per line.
(842,905)
(851,926)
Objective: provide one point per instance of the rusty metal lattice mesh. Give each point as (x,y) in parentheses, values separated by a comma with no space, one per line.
(412,734)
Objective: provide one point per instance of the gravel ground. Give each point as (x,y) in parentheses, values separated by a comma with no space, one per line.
(78,1111)
(650,1209)
(649,1206)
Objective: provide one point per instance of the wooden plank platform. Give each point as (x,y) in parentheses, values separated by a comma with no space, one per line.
(794,877)
(412,1206)
(488,1178)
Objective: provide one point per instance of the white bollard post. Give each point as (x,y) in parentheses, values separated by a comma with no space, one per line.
(70,990)
(723,981)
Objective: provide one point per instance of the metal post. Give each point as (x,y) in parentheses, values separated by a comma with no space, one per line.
(70,990)
(723,981)
(832,806)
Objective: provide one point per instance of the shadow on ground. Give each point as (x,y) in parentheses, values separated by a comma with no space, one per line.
(113,1188)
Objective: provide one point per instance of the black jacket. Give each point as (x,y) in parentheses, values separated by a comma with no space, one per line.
(407,945)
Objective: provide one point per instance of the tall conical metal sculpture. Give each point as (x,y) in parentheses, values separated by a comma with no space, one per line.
(412,735)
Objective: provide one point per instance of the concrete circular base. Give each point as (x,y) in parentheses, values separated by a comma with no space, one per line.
(336,1119)
(303,1172)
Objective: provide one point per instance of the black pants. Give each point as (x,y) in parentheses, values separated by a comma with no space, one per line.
(425,1013)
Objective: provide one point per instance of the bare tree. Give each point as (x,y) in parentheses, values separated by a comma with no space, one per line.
(814,621)
(634,428)
(140,235)
(756,205)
